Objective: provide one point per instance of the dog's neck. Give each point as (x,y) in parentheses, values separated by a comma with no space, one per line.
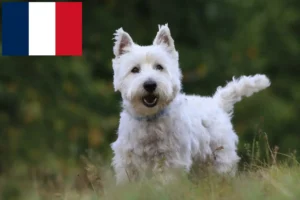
(150,117)
(153,117)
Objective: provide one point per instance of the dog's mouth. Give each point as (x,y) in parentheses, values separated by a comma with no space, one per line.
(150,100)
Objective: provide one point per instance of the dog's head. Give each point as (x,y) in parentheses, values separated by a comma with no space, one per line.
(148,77)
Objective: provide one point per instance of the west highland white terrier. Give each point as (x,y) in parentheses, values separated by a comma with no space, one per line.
(162,128)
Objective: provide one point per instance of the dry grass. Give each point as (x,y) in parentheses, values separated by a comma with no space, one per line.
(258,179)
(277,182)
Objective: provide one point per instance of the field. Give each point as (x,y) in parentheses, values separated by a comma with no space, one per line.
(268,179)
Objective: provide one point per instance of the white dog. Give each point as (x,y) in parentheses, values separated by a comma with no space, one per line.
(160,127)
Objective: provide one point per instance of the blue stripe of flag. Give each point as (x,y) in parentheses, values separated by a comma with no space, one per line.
(15,29)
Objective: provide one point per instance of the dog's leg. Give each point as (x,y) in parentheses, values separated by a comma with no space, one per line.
(225,160)
(168,169)
(126,174)
(124,167)
(223,146)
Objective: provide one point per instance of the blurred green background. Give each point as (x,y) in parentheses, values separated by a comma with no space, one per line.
(58,107)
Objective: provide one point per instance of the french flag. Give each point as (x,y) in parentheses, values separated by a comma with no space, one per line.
(42,28)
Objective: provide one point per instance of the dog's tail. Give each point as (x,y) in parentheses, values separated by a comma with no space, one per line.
(236,89)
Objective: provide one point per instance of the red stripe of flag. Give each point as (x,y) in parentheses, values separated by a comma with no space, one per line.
(68,28)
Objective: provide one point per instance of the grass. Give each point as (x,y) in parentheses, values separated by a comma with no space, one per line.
(260,178)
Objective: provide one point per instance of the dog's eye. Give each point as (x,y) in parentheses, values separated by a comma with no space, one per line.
(135,70)
(159,67)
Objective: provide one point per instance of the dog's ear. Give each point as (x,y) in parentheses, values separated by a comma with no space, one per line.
(123,42)
(163,37)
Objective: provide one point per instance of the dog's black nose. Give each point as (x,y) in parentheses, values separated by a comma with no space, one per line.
(150,86)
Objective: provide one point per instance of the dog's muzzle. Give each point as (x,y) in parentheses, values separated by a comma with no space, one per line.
(150,100)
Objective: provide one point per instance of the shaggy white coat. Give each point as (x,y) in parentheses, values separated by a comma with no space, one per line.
(180,129)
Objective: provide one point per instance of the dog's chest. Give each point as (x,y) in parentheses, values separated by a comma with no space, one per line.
(155,140)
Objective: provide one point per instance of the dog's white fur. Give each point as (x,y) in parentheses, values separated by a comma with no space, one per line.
(180,129)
